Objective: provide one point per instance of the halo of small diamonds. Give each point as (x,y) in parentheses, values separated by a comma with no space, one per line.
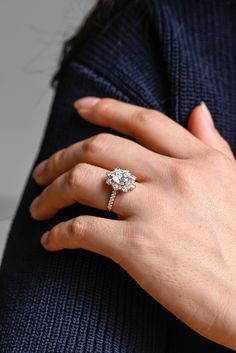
(121,180)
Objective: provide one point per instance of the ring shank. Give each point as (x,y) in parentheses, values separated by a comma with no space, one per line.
(112,199)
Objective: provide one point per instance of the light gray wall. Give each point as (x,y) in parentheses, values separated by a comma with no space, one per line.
(31,36)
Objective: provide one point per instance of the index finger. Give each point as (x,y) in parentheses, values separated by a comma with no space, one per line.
(150,128)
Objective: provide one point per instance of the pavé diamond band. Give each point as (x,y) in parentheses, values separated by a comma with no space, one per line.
(120,180)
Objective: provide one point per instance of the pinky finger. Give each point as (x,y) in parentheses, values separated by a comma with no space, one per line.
(101,235)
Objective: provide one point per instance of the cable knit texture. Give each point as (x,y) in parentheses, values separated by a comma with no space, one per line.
(164,54)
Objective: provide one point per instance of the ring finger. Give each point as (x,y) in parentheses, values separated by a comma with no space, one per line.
(84,184)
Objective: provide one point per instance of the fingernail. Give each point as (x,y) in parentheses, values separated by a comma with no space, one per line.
(207,113)
(38,171)
(44,238)
(34,204)
(86,103)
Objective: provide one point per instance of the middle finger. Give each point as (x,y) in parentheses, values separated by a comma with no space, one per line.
(102,150)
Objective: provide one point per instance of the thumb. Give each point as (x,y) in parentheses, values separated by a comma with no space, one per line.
(201,125)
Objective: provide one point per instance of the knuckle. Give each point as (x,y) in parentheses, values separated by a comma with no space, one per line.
(77,175)
(96,143)
(55,161)
(103,106)
(77,229)
(72,178)
(143,117)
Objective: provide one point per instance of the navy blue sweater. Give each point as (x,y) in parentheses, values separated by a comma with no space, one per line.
(164,54)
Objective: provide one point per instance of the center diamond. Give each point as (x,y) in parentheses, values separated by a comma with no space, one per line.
(121,179)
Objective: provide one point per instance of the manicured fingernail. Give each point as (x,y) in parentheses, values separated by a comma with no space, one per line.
(38,171)
(44,238)
(34,204)
(207,113)
(86,103)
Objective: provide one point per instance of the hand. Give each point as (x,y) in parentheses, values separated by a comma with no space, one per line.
(176,232)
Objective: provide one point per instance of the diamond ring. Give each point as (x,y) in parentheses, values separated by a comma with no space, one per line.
(120,180)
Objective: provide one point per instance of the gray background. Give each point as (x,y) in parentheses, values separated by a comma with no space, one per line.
(31,36)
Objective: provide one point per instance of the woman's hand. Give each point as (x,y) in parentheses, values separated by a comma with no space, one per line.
(176,233)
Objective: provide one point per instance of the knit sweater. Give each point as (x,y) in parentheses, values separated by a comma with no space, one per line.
(163,54)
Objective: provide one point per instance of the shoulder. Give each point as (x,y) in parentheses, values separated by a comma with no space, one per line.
(124,52)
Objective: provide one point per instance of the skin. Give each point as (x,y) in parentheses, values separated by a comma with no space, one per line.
(176,232)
